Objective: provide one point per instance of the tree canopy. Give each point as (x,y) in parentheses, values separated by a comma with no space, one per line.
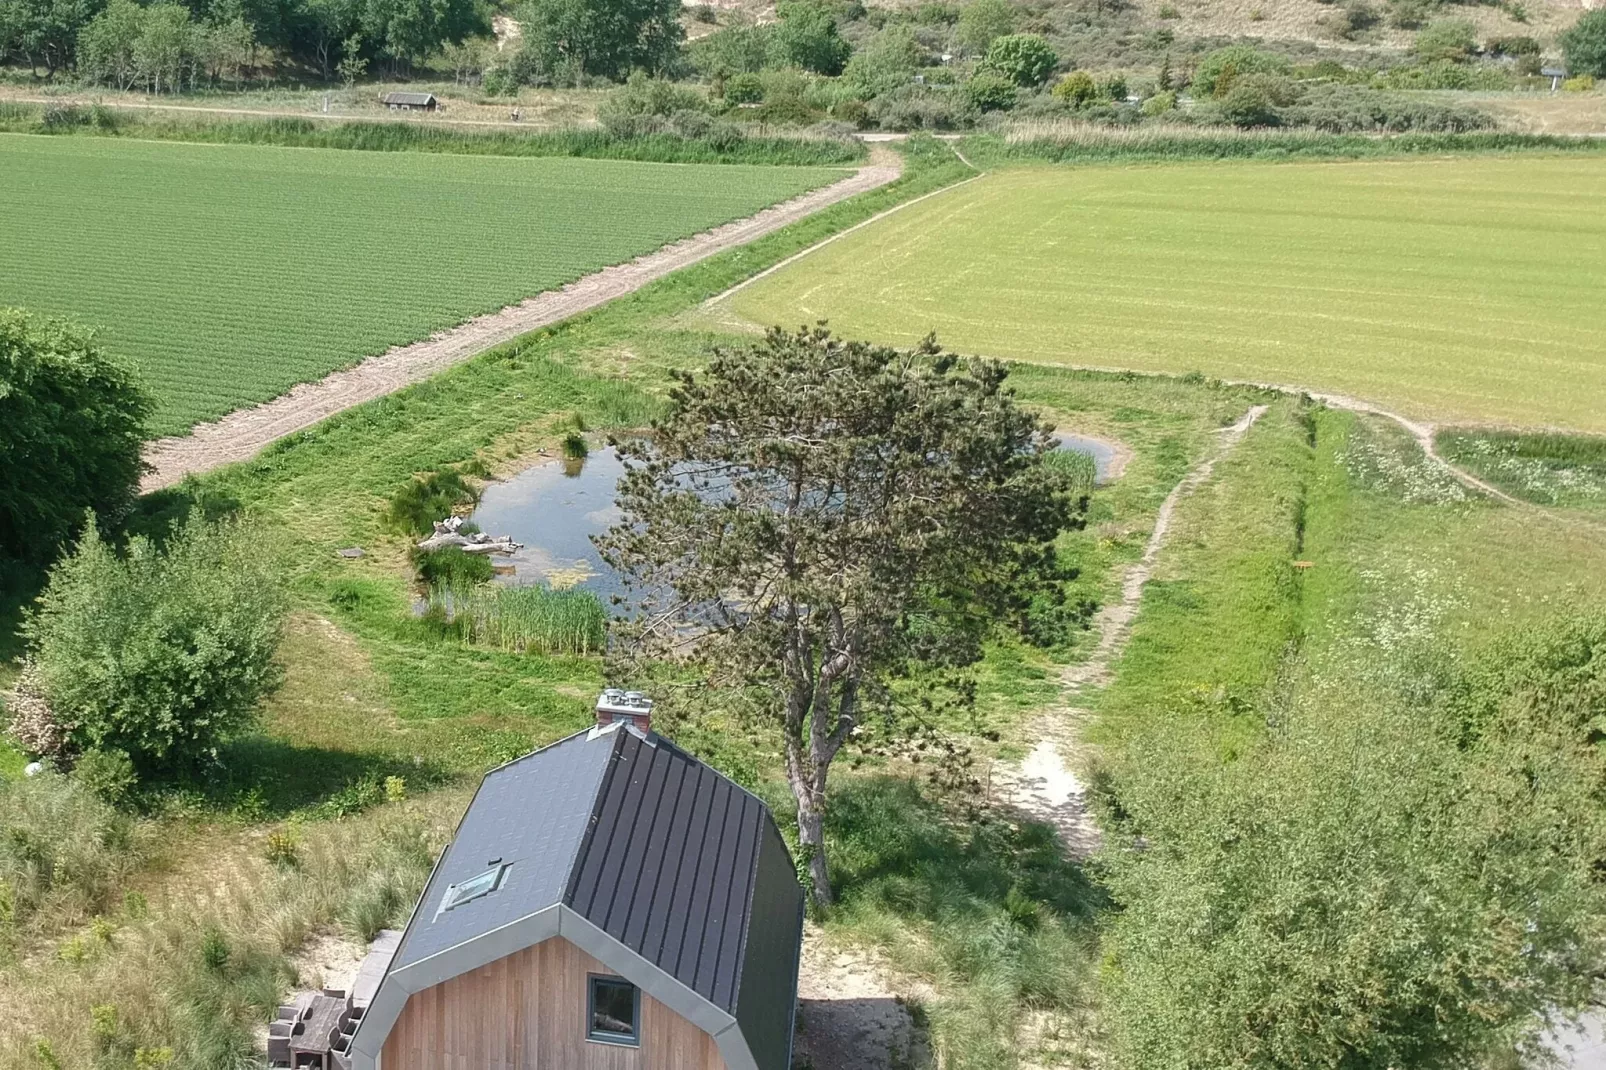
(1584,44)
(815,521)
(71,423)
(605,38)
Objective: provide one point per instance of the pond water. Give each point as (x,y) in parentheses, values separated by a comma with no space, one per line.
(556,506)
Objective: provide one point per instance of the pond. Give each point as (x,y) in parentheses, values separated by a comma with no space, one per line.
(556,506)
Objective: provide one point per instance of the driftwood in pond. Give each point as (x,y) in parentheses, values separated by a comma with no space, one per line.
(447,534)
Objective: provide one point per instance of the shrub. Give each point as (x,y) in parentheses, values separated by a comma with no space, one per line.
(1218,70)
(1412,14)
(1446,39)
(987,90)
(1253,100)
(71,423)
(109,774)
(1350,109)
(693,124)
(744,88)
(1584,44)
(886,62)
(1024,58)
(916,107)
(1512,46)
(33,724)
(1159,104)
(643,105)
(1583,83)
(165,653)
(1076,88)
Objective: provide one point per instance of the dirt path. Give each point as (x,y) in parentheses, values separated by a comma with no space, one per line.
(241,434)
(435,119)
(1044,786)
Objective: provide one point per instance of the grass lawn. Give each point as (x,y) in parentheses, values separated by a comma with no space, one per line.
(1460,288)
(232,272)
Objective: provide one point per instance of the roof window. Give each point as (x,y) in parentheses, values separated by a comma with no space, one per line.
(476,886)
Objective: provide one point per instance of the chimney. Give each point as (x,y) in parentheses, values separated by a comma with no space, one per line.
(631,707)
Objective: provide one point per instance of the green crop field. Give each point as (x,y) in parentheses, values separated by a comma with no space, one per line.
(231,272)
(1463,289)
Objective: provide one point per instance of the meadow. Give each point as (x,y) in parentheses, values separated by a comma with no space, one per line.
(229,273)
(1459,289)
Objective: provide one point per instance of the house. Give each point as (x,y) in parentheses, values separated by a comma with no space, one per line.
(410,101)
(608,902)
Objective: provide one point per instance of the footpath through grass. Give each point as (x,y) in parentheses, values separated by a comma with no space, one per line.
(229,273)
(1454,288)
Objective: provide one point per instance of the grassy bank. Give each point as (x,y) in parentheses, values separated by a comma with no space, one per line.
(111,121)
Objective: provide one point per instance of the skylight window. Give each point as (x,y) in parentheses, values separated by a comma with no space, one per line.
(476,886)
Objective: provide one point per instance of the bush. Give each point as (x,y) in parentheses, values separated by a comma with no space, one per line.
(109,774)
(1377,890)
(1444,74)
(1160,104)
(1351,109)
(1218,70)
(1076,88)
(1512,46)
(163,654)
(1449,40)
(1584,44)
(1254,99)
(987,90)
(1412,14)
(71,423)
(888,61)
(807,37)
(744,88)
(917,107)
(1583,83)
(643,105)
(1024,58)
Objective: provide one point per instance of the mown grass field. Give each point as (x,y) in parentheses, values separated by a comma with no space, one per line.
(232,272)
(1460,288)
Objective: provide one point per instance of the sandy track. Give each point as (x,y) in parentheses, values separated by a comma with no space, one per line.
(242,434)
(1044,787)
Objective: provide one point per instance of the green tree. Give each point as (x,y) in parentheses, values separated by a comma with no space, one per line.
(1454,40)
(167,49)
(807,37)
(1584,45)
(831,518)
(165,653)
(740,49)
(602,38)
(71,423)
(1220,68)
(1076,89)
(981,21)
(44,31)
(321,26)
(885,62)
(1024,58)
(106,47)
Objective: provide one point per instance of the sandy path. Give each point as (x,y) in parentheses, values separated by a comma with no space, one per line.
(241,434)
(433,119)
(1044,786)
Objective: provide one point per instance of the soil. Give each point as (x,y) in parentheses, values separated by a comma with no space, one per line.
(242,434)
(853,1012)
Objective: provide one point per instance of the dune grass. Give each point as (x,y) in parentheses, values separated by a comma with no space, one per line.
(1448,288)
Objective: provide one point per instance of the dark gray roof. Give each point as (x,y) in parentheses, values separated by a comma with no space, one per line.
(420,99)
(659,851)
(532,813)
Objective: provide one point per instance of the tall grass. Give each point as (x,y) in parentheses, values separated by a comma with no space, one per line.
(526,619)
(990,912)
(1070,141)
(198,969)
(1078,466)
(411,137)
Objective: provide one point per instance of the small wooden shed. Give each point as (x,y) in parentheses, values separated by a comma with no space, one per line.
(410,101)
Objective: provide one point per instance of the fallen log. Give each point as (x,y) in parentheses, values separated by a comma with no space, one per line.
(447,534)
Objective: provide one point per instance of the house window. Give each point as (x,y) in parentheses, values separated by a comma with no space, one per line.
(613,1011)
(476,886)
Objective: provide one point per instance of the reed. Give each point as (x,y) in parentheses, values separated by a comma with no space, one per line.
(527,619)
